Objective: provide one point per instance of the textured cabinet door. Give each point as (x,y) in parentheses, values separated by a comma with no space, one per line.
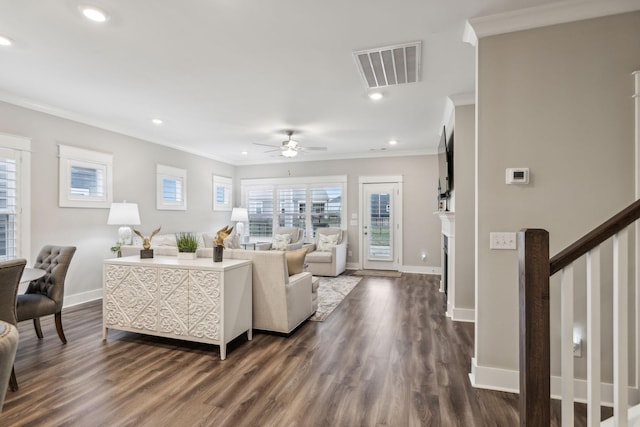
(130,297)
(204,304)
(173,289)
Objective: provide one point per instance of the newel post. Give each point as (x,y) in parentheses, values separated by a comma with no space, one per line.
(535,389)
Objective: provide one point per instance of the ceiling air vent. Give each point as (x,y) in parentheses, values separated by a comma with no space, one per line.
(390,65)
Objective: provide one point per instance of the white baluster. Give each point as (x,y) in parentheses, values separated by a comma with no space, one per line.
(566,346)
(593,337)
(620,328)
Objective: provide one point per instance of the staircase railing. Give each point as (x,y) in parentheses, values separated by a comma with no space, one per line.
(535,270)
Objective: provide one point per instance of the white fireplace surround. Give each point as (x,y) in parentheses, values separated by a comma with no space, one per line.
(449,230)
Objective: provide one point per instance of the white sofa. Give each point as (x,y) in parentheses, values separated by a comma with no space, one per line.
(280,302)
(329,262)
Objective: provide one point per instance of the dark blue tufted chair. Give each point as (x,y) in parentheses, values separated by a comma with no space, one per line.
(45,295)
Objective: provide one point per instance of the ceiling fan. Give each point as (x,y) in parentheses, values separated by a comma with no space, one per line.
(290,147)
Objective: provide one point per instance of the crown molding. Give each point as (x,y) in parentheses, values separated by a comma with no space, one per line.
(542,16)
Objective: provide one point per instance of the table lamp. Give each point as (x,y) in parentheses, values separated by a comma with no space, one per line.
(124,214)
(241,215)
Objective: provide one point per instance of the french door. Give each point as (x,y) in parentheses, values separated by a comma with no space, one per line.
(380,226)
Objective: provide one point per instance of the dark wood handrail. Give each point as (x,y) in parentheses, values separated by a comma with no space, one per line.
(592,239)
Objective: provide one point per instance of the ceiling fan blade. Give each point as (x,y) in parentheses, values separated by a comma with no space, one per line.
(266,145)
(313,148)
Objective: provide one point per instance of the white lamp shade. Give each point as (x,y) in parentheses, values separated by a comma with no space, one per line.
(124,214)
(239,214)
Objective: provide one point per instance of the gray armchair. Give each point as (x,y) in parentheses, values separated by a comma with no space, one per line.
(295,242)
(10,273)
(44,296)
(330,261)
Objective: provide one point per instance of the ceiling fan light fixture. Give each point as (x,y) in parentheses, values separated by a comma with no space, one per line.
(289,152)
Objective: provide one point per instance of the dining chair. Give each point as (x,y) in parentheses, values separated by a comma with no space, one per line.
(45,295)
(10,273)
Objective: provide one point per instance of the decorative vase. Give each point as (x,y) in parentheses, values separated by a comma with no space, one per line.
(217,253)
(186,255)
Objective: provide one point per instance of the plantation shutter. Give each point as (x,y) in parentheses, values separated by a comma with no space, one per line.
(292,207)
(8,204)
(260,202)
(326,206)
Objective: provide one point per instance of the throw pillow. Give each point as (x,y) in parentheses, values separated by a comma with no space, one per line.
(326,242)
(232,242)
(208,240)
(280,242)
(164,240)
(295,261)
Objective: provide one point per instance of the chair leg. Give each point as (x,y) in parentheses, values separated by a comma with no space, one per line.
(13,382)
(58,317)
(36,325)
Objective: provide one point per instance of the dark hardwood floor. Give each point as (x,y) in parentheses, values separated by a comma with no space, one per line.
(387,356)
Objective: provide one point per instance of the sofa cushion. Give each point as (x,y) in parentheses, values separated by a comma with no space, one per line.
(280,242)
(232,242)
(317,256)
(295,261)
(326,242)
(207,238)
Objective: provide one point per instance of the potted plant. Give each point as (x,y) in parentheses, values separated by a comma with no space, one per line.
(187,245)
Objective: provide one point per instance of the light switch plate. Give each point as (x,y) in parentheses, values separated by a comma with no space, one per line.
(502,240)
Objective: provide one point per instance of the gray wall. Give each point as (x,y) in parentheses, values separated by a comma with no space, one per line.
(134,170)
(464,184)
(420,174)
(556,100)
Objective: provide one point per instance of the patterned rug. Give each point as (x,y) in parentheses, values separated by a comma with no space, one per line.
(331,292)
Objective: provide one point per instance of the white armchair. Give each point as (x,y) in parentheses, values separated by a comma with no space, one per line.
(326,258)
(295,239)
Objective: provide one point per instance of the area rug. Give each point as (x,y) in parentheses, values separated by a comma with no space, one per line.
(331,292)
(379,273)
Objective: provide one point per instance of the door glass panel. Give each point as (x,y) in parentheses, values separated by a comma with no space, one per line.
(380,227)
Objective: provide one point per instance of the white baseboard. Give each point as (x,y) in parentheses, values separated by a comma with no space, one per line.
(75,299)
(353,266)
(509,380)
(463,315)
(420,270)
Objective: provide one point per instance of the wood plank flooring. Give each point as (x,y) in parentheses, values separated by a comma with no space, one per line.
(387,356)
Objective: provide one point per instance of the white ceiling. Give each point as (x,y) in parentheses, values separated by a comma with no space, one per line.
(225,74)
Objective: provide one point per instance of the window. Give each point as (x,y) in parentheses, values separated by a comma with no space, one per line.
(222,192)
(293,197)
(171,188)
(15,196)
(85,178)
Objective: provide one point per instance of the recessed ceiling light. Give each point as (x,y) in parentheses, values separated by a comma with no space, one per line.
(157,121)
(94,13)
(393,142)
(244,152)
(5,41)
(375,96)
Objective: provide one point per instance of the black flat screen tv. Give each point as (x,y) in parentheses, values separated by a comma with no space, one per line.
(445,164)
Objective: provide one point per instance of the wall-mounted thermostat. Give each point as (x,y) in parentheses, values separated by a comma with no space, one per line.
(517,176)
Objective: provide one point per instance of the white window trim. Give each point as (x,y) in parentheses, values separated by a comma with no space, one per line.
(227,184)
(73,156)
(23,147)
(309,181)
(163,172)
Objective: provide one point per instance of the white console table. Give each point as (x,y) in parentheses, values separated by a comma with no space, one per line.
(194,300)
